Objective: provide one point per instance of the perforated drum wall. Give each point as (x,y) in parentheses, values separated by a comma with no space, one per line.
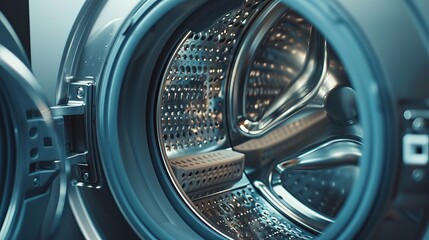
(193,91)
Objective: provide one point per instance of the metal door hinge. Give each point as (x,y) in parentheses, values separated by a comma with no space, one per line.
(78,133)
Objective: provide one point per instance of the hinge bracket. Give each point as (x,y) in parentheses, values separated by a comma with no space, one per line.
(78,133)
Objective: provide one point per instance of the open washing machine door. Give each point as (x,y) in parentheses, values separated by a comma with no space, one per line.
(32,167)
(247,119)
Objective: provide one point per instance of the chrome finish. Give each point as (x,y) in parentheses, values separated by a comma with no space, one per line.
(243,214)
(205,193)
(416,113)
(304,216)
(68,110)
(314,185)
(78,133)
(192,98)
(205,170)
(276,145)
(332,154)
(192,121)
(77,99)
(303,131)
(259,71)
(279,69)
(256,82)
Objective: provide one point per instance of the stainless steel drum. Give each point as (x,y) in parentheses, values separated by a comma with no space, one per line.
(245,122)
(247,119)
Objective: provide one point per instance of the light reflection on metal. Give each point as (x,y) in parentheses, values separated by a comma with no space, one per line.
(314,185)
(259,89)
(274,78)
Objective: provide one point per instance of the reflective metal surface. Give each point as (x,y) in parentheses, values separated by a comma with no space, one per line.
(262,81)
(243,214)
(193,96)
(316,184)
(223,99)
(278,74)
(233,119)
(202,171)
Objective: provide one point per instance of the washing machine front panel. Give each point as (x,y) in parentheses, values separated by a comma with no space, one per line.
(262,118)
(33,169)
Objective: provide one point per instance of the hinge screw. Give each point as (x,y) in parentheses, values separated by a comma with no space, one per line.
(418,124)
(418,175)
(85,176)
(36,181)
(80,92)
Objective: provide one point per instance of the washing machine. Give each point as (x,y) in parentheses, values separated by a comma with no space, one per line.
(246,119)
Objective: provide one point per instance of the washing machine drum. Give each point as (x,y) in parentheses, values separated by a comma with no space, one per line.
(32,176)
(263,119)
